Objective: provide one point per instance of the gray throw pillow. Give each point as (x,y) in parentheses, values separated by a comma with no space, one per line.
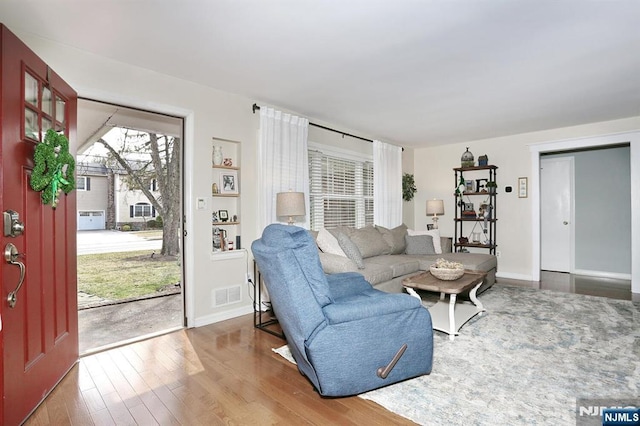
(419,244)
(394,238)
(350,249)
(369,241)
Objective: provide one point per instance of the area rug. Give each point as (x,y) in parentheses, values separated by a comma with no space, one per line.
(527,360)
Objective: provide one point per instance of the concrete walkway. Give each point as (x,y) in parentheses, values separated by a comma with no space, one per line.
(110,324)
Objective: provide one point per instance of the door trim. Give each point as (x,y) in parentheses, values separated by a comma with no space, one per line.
(187,208)
(633,138)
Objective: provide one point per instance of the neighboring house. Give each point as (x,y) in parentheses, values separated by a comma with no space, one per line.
(92,196)
(132,207)
(104,200)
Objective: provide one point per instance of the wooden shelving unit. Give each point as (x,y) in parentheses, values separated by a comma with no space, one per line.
(486,227)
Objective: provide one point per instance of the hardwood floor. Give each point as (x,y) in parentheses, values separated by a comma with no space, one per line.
(223,373)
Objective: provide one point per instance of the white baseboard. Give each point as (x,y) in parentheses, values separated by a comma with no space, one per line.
(601,274)
(510,276)
(223,316)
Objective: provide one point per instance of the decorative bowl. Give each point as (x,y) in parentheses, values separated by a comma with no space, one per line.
(446,274)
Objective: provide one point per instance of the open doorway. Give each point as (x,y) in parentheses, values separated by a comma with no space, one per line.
(129,181)
(589,192)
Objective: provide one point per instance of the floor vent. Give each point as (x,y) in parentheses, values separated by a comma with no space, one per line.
(226,296)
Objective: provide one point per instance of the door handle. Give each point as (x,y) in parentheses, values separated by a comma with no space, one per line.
(565,222)
(11,256)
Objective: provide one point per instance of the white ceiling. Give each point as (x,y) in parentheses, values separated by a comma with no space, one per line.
(413,72)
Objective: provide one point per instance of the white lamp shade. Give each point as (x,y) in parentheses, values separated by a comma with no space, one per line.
(435,207)
(290,204)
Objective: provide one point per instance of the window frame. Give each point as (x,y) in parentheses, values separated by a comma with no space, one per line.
(142,205)
(87,183)
(362,197)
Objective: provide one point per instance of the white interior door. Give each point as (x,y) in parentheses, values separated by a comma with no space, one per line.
(556,214)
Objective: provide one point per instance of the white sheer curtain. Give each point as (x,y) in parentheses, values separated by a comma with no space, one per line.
(387,184)
(283,161)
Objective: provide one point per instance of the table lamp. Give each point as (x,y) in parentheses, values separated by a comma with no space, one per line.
(290,204)
(435,207)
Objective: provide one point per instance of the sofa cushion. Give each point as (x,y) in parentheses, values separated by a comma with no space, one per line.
(394,238)
(328,243)
(333,263)
(419,244)
(369,241)
(474,261)
(375,273)
(435,234)
(398,264)
(350,249)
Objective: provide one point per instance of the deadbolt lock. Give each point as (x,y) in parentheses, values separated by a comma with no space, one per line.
(12,225)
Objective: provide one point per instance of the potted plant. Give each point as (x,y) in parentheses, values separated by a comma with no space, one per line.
(408,187)
(491,187)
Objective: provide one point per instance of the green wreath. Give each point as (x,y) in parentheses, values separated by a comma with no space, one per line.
(53,169)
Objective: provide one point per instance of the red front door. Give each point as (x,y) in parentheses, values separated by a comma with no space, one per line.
(39,334)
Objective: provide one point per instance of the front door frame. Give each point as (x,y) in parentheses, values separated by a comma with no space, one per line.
(633,138)
(187,208)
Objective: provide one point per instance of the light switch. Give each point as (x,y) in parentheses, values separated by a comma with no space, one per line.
(201,203)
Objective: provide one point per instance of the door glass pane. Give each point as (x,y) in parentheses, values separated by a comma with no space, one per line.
(31,128)
(30,89)
(46,125)
(60,110)
(47,106)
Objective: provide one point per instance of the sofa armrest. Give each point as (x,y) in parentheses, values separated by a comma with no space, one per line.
(447,244)
(333,263)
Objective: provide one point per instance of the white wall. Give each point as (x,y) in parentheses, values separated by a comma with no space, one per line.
(208,113)
(433,167)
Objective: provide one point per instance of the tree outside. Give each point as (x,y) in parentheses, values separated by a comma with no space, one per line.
(147,157)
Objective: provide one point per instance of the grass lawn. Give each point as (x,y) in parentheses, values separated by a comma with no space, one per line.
(127,274)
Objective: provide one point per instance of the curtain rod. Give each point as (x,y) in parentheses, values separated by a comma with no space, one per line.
(257,107)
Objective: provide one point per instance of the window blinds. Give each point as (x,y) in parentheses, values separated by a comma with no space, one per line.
(341,191)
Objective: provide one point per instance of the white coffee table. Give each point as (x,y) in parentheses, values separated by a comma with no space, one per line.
(449,317)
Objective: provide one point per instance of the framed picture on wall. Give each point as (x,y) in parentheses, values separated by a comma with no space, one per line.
(229,183)
(522,187)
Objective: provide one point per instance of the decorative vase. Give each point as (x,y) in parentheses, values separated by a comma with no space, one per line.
(217,155)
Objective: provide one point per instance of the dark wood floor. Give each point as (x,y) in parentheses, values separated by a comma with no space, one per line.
(224,373)
(578,284)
